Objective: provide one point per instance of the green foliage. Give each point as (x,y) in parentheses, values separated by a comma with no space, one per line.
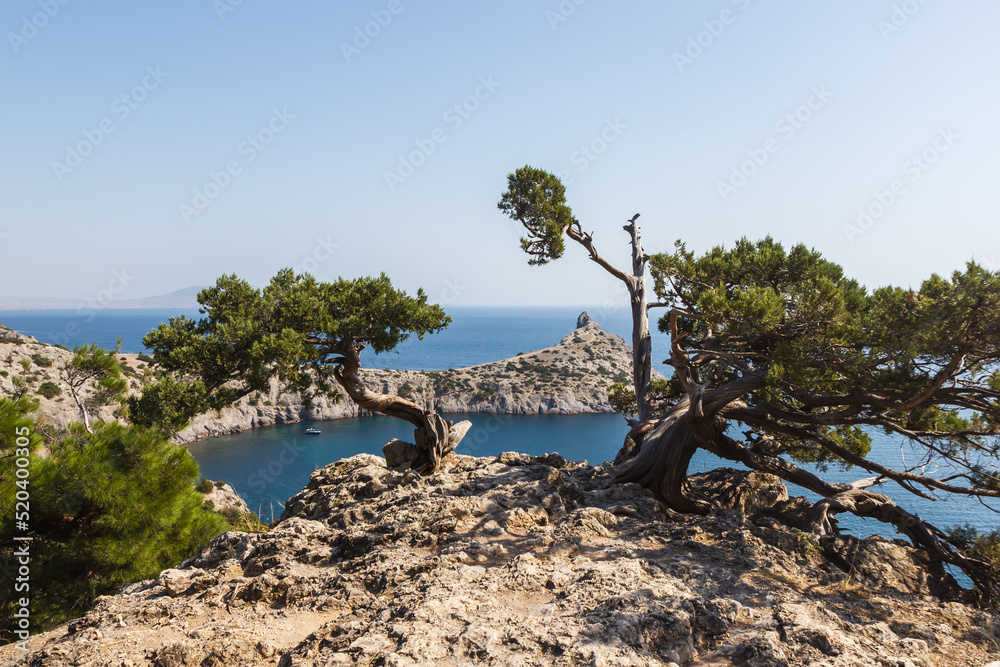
(48,390)
(144,358)
(835,358)
(293,329)
(537,200)
(15,422)
(622,397)
(98,370)
(107,508)
(205,486)
(406,390)
(977,544)
(168,404)
(244,522)
(41,360)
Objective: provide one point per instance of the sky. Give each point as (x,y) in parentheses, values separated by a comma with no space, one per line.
(149,147)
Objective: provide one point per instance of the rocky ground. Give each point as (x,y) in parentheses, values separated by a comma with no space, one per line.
(517,560)
(570,377)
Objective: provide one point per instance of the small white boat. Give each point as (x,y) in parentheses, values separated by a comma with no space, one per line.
(313,431)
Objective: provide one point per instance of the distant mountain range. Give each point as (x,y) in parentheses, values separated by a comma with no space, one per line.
(183,298)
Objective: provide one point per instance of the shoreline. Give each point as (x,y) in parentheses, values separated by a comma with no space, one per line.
(570,377)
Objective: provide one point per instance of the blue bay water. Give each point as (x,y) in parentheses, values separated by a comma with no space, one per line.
(70,328)
(477,335)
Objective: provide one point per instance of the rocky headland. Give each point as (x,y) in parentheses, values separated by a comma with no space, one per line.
(519,560)
(569,377)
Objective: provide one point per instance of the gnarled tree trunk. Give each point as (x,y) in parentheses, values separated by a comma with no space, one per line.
(642,344)
(434,437)
(877,506)
(662,461)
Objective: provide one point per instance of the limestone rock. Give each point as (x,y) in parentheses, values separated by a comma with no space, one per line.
(514,560)
(225,499)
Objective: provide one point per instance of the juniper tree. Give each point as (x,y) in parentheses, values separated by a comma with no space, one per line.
(780,359)
(309,335)
(537,200)
(94,378)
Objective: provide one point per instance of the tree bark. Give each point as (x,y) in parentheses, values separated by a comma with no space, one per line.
(79,403)
(434,436)
(922,534)
(662,461)
(642,344)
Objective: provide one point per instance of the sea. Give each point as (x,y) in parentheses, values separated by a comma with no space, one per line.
(268,465)
(477,335)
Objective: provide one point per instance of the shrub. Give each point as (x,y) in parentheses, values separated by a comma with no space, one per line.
(145,358)
(41,360)
(205,486)
(113,507)
(49,390)
(244,522)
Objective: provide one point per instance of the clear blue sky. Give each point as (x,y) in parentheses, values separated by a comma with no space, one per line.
(667,121)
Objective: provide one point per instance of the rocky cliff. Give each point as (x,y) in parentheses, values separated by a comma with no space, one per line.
(517,560)
(44,363)
(570,377)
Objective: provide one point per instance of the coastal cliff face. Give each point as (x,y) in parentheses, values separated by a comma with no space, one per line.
(45,363)
(568,378)
(519,560)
